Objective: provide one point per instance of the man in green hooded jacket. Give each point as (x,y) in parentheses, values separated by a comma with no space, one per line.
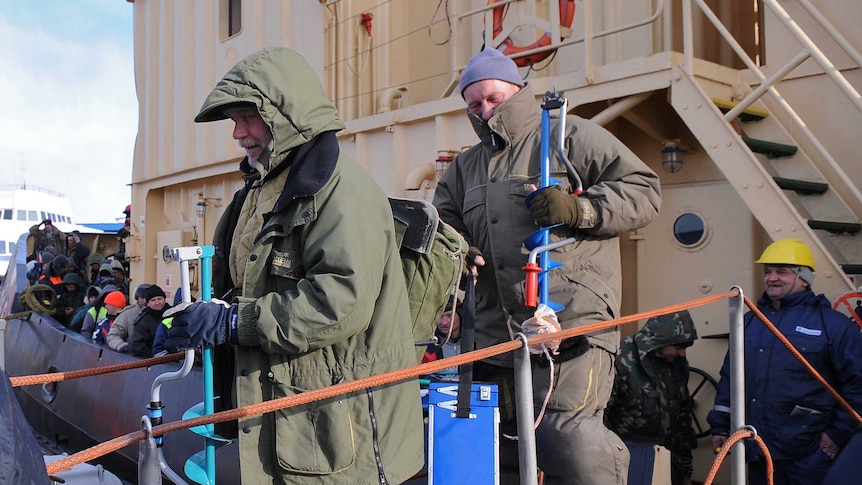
(306,256)
(650,403)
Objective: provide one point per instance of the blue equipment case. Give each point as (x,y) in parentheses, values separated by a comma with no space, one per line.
(463,450)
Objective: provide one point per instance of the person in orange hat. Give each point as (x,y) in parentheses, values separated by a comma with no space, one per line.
(115,302)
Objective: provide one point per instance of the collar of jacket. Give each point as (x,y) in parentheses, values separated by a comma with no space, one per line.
(804,297)
(313,163)
(513,119)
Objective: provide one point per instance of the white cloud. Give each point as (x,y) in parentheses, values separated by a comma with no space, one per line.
(69,116)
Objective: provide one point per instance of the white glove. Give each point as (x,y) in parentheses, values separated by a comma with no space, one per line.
(544,321)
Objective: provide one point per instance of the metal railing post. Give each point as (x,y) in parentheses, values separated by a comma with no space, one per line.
(737,384)
(525,413)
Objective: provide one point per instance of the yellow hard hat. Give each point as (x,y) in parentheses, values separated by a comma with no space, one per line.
(788,251)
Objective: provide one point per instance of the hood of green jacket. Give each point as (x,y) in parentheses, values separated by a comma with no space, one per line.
(673,328)
(286,92)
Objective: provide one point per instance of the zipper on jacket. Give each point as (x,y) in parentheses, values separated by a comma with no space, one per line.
(381,476)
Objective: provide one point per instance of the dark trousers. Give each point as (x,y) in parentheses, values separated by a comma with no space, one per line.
(808,470)
(641,463)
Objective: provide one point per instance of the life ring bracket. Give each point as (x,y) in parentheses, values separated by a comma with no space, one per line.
(559,26)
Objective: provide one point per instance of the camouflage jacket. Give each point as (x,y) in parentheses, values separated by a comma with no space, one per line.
(650,402)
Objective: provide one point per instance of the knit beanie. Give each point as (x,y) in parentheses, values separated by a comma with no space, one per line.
(139,292)
(153,291)
(490,64)
(116,298)
(805,274)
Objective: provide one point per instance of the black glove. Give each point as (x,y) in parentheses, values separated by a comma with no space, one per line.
(553,206)
(193,324)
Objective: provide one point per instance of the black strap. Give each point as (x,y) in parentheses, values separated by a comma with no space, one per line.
(468,326)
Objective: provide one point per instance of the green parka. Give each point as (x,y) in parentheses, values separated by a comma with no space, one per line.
(315,270)
(482,195)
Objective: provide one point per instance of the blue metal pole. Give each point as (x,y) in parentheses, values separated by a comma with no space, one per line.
(545,180)
(209,393)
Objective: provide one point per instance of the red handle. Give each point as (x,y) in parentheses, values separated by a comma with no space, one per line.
(531,290)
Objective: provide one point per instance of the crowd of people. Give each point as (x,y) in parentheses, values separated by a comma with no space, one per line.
(92,292)
(304,304)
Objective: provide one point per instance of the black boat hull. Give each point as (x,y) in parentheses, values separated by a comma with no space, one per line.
(80,413)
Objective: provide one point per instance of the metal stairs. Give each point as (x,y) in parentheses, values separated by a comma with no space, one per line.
(786,188)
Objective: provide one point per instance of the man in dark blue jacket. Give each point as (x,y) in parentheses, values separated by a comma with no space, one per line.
(801,423)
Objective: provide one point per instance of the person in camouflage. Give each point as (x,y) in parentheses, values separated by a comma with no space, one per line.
(650,403)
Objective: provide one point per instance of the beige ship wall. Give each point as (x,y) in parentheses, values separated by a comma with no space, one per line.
(182,48)
(395,84)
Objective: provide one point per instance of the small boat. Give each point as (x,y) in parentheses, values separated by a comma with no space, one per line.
(77,414)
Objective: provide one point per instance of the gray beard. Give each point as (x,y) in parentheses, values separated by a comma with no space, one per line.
(262,167)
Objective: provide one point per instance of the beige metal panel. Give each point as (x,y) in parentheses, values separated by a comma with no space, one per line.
(781,46)
(828,114)
(179,58)
(391,152)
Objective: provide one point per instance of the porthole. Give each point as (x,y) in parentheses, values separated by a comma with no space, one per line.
(690,230)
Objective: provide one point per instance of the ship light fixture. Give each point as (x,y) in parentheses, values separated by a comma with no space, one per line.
(204,202)
(671,156)
(201,208)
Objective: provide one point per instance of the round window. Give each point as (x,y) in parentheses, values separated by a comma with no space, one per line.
(689,230)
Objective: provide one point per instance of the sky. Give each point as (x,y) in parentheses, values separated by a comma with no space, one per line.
(70,111)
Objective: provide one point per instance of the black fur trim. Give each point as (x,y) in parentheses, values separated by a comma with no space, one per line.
(569,349)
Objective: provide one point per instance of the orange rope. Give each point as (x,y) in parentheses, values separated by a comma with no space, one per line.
(93,371)
(801,359)
(725,449)
(360,384)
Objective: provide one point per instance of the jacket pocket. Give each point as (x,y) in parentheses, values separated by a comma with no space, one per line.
(812,348)
(474,213)
(317,438)
(651,403)
(287,263)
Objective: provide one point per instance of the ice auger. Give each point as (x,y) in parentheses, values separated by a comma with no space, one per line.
(538,242)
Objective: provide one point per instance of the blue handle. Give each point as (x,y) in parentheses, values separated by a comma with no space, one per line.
(209,393)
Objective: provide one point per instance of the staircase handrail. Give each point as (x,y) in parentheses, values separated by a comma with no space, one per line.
(832,31)
(840,181)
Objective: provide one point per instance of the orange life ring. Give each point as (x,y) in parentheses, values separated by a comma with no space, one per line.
(567,17)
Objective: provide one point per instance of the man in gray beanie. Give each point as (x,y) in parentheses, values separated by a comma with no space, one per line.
(483,195)
(121,331)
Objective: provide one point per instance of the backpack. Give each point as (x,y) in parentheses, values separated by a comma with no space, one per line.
(433,257)
(77,320)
